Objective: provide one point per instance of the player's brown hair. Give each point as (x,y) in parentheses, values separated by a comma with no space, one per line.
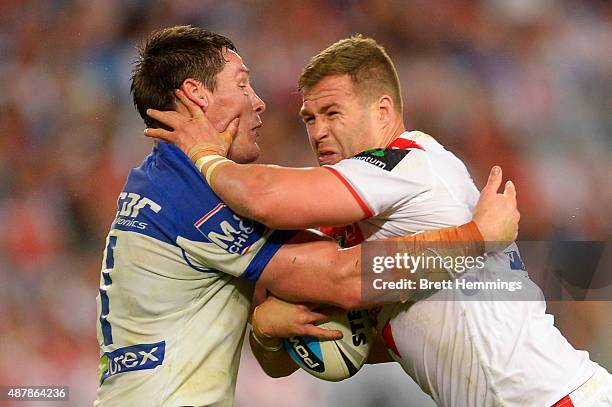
(167,58)
(365,60)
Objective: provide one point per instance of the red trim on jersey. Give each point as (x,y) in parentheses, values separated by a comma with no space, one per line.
(331,231)
(404,143)
(564,402)
(208,215)
(352,190)
(387,335)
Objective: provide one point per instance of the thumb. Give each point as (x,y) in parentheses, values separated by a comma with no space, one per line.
(494,181)
(510,190)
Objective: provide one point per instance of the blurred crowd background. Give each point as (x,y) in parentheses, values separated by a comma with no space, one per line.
(521,83)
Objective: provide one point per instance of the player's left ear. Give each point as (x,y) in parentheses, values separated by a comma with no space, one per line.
(196,92)
(385,109)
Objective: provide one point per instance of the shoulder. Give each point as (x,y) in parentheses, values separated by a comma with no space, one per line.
(168,192)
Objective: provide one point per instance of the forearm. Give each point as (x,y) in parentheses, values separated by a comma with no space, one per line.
(246,188)
(280,197)
(318,272)
(429,256)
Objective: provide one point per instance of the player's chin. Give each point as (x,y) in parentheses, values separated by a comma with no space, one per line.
(244,154)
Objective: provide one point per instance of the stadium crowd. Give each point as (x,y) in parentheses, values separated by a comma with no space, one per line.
(523,84)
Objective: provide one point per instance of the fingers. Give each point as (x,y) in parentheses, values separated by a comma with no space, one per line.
(318,317)
(232,127)
(160,134)
(494,181)
(194,110)
(306,315)
(510,190)
(312,330)
(170,118)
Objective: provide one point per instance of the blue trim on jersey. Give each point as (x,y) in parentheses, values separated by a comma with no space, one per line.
(265,254)
(110,255)
(193,266)
(107,332)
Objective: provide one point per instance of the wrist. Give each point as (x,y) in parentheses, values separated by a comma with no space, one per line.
(266,342)
(203,149)
(473,233)
(208,166)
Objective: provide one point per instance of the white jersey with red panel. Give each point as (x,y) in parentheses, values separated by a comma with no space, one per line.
(462,352)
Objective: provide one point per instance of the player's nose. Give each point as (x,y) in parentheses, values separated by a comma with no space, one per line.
(259,105)
(318,131)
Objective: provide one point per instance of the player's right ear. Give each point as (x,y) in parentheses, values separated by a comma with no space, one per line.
(196,92)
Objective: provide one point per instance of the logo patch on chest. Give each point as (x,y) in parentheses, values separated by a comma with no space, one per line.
(385,159)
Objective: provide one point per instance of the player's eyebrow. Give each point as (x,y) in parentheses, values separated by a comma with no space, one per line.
(305,112)
(328,106)
(244,70)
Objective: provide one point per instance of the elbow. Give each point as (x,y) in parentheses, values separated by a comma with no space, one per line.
(256,201)
(262,211)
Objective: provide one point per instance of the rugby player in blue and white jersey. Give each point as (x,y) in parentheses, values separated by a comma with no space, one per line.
(179,265)
(461,351)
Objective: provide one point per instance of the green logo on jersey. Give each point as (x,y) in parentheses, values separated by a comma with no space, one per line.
(385,159)
(377,152)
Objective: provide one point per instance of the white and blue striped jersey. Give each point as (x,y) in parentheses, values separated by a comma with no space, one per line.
(175,291)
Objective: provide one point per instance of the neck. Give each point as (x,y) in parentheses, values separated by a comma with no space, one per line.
(390,133)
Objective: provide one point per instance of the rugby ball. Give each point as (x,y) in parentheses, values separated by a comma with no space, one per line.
(335,360)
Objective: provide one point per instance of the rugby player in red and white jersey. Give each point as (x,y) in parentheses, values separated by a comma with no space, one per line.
(461,352)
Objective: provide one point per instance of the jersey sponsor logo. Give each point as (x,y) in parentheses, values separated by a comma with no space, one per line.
(129,206)
(232,233)
(385,159)
(516,263)
(136,357)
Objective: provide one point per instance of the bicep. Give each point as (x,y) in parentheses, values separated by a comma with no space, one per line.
(320,198)
(289,198)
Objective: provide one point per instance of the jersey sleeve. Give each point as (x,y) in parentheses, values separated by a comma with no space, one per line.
(382,179)
(222,240)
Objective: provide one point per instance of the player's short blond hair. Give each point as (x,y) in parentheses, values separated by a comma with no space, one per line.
(364,59)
